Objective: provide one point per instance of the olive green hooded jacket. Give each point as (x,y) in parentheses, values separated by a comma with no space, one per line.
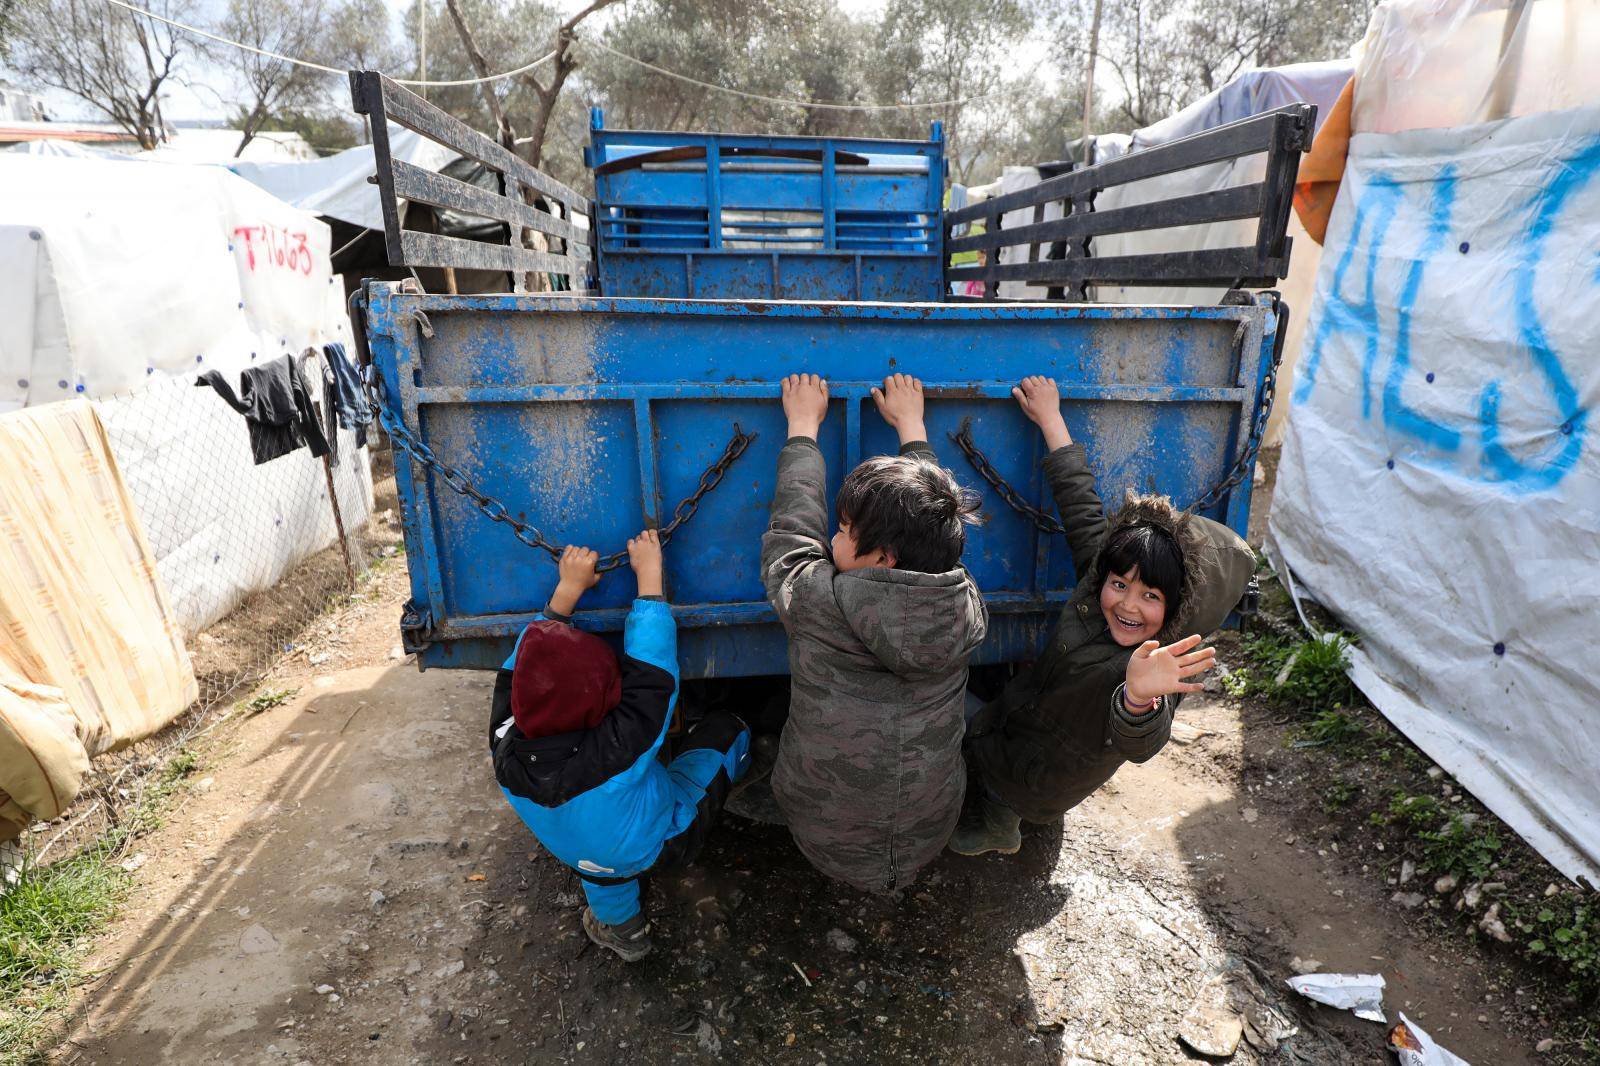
(1059,731)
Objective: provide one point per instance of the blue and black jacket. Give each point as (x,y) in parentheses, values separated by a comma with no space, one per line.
(600,799)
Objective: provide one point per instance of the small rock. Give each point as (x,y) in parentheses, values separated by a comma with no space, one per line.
(1289,840)
(130,865)
(397,653)
(1551,890)
(1302,966)
(1408,870)
(205,784)
(1211,1029)
(1249,814)
(841,941)
(376,899)
(1491,924)
(1408,899)
(1544,1045)
(323,990)
(1471,897)
(257,940)
(413,968)
(1434,773)
(450,969)
(706,1036)
(1446,884)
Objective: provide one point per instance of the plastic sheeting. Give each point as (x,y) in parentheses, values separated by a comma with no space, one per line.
(124,281)
(91,657)
(336,186)
(224,272)
(1250,93)
(1479,61)
(1440,487)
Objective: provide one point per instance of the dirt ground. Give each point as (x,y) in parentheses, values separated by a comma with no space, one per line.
(342,882)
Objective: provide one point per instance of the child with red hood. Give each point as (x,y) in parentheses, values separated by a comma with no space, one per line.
(576,736)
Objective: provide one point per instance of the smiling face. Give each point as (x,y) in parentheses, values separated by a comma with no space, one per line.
(1134,611)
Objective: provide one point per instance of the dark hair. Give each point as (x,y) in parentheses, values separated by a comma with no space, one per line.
(911,509)
(1150,550)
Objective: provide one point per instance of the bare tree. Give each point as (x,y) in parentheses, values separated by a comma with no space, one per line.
(289,27)
(112,59)
(546,91)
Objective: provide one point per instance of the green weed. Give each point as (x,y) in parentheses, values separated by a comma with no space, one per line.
(1567,930)
(1336,727)
(44,922)
(1295,675)
(1413,813)
(1459,848)
(181,765)
(1338,796)
(267,699)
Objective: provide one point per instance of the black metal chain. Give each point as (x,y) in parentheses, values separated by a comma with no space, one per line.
(1011,496)
(1228,482)
(1258,429)
(526,532)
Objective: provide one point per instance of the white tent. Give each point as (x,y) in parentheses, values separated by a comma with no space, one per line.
(125,280)
(1440,486)
(336,186)
(221,145)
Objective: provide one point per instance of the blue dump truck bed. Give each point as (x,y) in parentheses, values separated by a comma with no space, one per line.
(592,418)
(612,401)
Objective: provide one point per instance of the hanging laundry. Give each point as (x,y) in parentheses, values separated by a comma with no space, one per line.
(276,404)
(352,401)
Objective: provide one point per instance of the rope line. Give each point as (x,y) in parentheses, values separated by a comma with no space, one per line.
(801,103)
(318,66)
(818,104)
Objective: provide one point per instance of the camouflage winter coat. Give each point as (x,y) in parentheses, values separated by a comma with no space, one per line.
(1059,731)
(869,771)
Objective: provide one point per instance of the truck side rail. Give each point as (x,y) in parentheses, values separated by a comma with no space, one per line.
(543,238)
(1060,253)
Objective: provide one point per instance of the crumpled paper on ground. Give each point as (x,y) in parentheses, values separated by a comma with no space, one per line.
(1417,1048)
(1358,992)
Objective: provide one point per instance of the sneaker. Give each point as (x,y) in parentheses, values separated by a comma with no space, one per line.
(630,940)
(987,825)
(763,757)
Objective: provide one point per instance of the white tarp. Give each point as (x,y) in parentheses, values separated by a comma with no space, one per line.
(1440,487)
(336,185)
(124,281)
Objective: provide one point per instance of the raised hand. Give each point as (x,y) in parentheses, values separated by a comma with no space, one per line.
(1040,400)
(900,403)
(644,555)
(1156,671)
(805,403)
(577,569)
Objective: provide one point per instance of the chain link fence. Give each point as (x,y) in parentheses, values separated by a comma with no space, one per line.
(252,559)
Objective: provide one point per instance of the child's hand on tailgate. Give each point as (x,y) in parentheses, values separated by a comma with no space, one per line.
(900,403)
(577,569)
(805,404)
(1040,400)
(644,555)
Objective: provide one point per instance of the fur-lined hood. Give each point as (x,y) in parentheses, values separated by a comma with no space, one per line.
(1217,563)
